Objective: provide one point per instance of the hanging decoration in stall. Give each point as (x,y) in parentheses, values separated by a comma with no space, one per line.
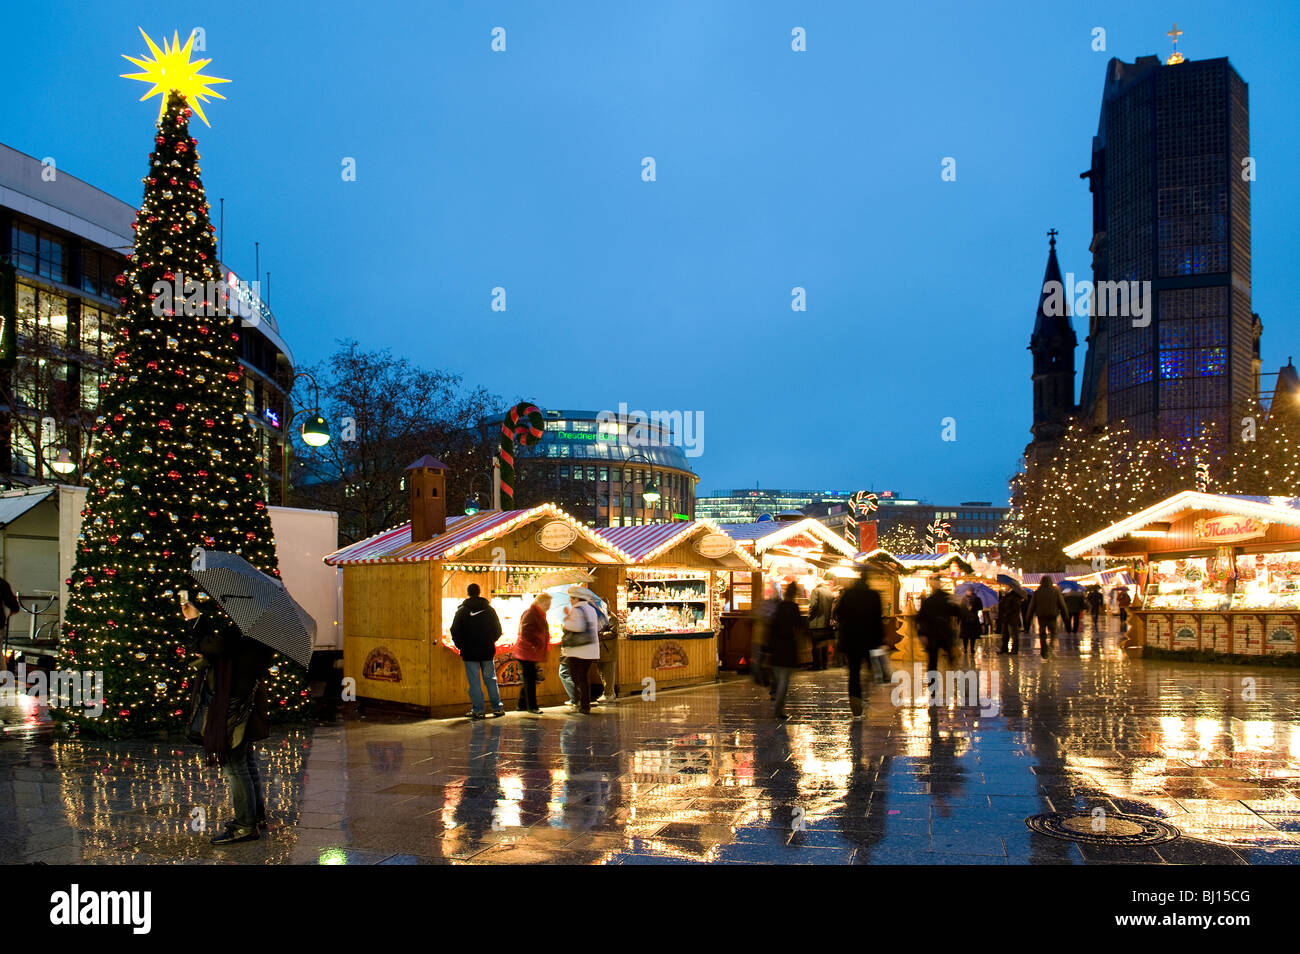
(523,427)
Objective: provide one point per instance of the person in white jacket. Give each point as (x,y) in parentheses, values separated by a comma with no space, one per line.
(580,646)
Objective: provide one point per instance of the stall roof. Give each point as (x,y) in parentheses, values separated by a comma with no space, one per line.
(463,533)
(880,555)
(1284,510)
(919,562)
(769,533)
(646,542)
(14,505)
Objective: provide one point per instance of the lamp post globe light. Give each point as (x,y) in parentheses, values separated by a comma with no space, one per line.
(315,432)
(63,462)
(650,492)
(472,505)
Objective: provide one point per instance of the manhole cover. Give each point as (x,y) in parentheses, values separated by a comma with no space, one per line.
(1103,829)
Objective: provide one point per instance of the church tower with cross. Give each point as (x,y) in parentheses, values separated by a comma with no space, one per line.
(1052,344)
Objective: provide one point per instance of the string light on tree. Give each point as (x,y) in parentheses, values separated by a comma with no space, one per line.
(173,456)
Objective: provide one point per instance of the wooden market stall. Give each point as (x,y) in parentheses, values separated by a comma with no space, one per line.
(670,600)
(401,589)
(912,575)
(1216,573)
(788,551)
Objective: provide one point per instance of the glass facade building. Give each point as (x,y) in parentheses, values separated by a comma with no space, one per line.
(62,245)
(1171,207)
(598,468)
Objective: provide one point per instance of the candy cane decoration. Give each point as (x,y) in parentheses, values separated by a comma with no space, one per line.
(523,427)
(863,502)
(936,532)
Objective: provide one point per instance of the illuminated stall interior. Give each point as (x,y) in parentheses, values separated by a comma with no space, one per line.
(1217,573)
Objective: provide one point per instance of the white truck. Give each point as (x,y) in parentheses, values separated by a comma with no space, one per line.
(38,538)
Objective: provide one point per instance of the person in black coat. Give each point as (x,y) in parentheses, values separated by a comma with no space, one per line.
(860,619)
(475,631)
(783,644)
(934,623)
(234,668)
(970,623)
(1010,621)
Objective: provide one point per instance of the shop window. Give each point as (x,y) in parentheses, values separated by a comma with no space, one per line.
(90,388)
(564,471)
(604,475)
(25,246)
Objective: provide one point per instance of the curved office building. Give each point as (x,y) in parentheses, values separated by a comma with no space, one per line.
(598,471)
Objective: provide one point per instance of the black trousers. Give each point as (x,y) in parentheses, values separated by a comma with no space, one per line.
(528,696)
(855,673)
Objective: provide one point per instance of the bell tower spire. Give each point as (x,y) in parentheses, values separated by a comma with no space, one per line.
(1052,345)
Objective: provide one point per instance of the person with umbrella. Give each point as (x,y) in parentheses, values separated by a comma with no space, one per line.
(249,613)
(1047,604)
(234,668)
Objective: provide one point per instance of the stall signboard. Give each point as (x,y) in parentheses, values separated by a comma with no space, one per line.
(556,535)
(1229,528)
(714,545)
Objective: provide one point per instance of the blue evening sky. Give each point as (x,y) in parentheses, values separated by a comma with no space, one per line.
(775,169)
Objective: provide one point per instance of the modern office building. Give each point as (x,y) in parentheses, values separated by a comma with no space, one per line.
(62,244)
(1170,182)
(598,471)
(974,523)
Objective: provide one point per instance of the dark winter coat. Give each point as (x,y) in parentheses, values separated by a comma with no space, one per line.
(1095,600)
(1074,602)
(934,619)
(783,635)
(476,629)
(1047,602)
(859,617)
(236,676)
(1009,606)
(970,620)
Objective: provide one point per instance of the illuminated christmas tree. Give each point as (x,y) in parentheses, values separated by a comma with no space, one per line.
(173,466)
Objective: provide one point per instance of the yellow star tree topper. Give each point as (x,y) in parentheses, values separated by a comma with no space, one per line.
(171,68)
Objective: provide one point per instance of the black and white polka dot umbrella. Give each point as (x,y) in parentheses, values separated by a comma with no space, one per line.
(259,604)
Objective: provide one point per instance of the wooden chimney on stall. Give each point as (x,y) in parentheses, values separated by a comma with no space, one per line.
(426,483)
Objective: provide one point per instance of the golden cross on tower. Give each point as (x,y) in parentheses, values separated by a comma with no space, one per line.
(1175,57)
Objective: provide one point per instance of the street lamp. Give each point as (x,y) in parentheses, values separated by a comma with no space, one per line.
(63,462)
(494,492)
(650,492)
(315,432)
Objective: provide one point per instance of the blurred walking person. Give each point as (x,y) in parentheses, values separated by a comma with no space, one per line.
(1010,609)
(1095,603)
(475,630)
(531,649)
(860,620)
(820,605)
(580,645)
(1047,604)
(934,623)
(783,633)
(970,623)
(1123,601)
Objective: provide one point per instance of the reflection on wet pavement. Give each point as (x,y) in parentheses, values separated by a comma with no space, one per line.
(706,775)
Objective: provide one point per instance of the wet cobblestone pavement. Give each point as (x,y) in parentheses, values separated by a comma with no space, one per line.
(707,775)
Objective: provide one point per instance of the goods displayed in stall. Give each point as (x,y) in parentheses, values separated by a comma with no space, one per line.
(671,598)
(1218,574)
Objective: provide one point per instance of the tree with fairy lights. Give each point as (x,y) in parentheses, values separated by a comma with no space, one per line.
(173,468)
